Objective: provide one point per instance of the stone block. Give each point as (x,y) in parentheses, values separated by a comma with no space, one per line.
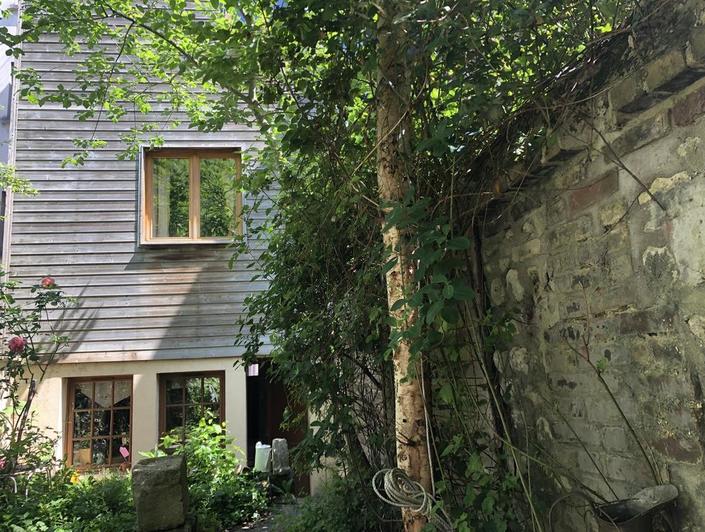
(534,224)
(638,136)
(615,439)
(660,268)
(664,68)
(625,469)
(646,322)
(575,136)
(663,184)
(526,250)
(612,213)
(576,231)
(573,306)
(626,90)
(619,266)
(687,110)
(601,188)
(695,49)
(681,449)
(280,457)
(514,285)
(160,493)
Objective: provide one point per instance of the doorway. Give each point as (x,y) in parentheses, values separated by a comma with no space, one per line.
(266,402)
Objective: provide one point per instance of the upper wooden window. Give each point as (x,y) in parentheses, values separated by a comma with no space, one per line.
(99,425)
(191,196)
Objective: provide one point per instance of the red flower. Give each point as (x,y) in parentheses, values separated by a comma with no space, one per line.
(48,282)
(17,344)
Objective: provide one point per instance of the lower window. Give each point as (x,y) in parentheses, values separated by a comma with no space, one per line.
(185,398)
(99,422)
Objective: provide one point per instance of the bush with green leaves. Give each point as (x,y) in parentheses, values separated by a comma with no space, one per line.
(63,502)
(30,345)
(341,506)
(219,496)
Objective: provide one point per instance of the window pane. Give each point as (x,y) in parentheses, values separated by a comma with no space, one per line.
(174,417)
(211,390)
(123,391)
(83,397)
(218,197)
(100,452)
(194,414)
(121,422)
(81,424)
(115,454)
(214,410)
(170,197)
(103,394)
(81,453)
(101,423)
(193,390)
(174,391)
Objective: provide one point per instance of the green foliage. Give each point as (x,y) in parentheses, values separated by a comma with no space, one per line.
(30,345)
(305,73)
(341,506)
(9,180)
(64,503)
(219,496)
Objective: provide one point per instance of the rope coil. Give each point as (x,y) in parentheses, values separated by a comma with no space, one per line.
(397,489)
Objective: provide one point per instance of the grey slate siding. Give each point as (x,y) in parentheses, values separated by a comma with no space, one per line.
(135,303)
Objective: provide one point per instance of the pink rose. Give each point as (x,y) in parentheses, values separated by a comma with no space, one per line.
(17,344)
(48,282)
(2,464)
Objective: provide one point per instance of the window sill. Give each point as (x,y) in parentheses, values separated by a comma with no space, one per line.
(162,242)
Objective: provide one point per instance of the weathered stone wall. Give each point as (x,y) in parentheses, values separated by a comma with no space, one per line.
(594,267)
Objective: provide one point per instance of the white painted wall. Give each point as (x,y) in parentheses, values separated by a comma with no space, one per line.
(50,402)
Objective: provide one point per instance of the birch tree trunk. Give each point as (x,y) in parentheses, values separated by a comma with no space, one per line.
(393,151)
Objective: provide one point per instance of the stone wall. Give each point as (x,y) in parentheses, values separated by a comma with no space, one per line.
(595,267)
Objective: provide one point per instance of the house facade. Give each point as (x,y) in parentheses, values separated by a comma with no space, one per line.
(143,244)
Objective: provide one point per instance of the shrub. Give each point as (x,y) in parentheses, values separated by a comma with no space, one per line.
(219,496)
(64,503)
(344,505)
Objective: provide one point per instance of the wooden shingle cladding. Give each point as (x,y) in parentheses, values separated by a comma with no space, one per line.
(135,302)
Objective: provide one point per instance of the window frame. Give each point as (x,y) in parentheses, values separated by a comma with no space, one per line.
(69,425)
(194,155)
(162,377)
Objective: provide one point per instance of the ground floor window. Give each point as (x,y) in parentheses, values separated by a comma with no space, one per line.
(185,398)
(99,421)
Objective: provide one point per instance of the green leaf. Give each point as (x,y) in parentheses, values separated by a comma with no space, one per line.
(433,311)
(458,243)
(445,393)
(399,303)
(463,292)
(448,291)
